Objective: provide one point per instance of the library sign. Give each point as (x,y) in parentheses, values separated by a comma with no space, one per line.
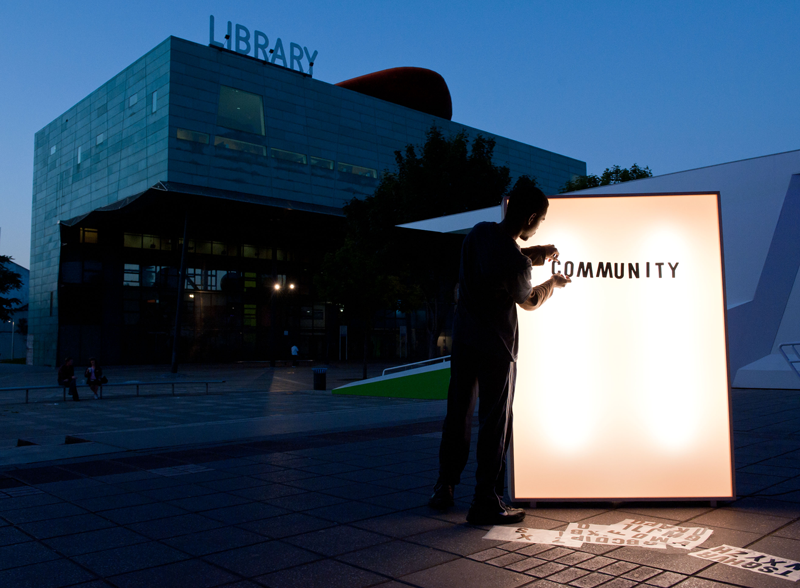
(622,379)
(238,38)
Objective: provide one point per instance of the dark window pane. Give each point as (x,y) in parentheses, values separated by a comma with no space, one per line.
(357,170)
(289,156)
(320,162)
(240,110)
(71,272)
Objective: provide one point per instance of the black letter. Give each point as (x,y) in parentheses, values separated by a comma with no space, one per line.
(585,271)
(633,270)
(673,267)
(603,271)
(648,270)
(621,274)
(659,268)
(569,267)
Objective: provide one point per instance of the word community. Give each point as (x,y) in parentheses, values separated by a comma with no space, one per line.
(238,39)
(604,269)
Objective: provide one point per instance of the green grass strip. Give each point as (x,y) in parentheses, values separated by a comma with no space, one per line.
(426,386)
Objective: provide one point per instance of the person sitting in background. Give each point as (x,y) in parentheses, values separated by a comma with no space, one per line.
(94,376)
(66,377)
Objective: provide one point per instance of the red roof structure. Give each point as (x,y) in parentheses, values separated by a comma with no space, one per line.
(413,87)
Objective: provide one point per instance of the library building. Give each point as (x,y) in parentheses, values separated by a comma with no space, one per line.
(231,159)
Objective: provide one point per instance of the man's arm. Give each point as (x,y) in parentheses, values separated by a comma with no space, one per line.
(543,291)
(539,253)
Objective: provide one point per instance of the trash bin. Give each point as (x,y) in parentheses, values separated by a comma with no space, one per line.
(319,378)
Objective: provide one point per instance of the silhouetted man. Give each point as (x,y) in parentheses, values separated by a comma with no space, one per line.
(494,277)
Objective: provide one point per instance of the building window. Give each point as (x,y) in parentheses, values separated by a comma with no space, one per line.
(88,235)
(92,272)
(290,156)
(151,242)
(218,248)
(234,145)
(132,240)
(150,275)
(249,315)
(357,170)
(100,138)
(131,275)
(249,281)
(240,111)
(194,278)
(53,150)
(253,252)
(203,247)
(320,162)
(187,135)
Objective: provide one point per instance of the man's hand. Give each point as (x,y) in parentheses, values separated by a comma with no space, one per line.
(560,280)
(550,252)
(541,252)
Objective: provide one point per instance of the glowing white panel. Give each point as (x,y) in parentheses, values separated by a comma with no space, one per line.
(622,385)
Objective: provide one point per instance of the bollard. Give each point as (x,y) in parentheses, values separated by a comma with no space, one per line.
(319,378)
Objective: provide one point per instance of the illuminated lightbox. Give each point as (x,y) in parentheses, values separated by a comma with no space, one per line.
(622,379)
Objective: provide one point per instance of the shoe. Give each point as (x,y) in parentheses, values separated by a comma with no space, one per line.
(96,397)
(442,497)
(492,513)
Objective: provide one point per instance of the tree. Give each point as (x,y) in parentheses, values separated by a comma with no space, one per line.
(379,266)
(9,281)
(611,175)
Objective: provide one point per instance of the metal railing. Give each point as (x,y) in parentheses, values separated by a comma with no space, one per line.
(792,362)
(137,384)
(413,366)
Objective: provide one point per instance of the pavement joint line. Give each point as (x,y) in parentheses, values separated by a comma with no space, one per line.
(180,470)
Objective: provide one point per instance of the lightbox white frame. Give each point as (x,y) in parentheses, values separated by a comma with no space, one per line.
(573,496)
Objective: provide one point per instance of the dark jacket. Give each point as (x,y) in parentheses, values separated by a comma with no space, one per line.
(65,372)
(98,373)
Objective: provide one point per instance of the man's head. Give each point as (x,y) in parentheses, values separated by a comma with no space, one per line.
(67,361)
(527,207)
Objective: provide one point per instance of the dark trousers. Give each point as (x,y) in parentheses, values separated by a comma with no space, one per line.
(72,385)
(475,375)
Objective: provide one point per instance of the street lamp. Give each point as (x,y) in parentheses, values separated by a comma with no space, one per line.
(276,287)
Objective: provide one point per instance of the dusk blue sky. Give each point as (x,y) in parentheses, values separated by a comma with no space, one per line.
(672,85)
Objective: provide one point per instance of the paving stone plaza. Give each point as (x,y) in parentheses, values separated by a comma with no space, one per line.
(265,482)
